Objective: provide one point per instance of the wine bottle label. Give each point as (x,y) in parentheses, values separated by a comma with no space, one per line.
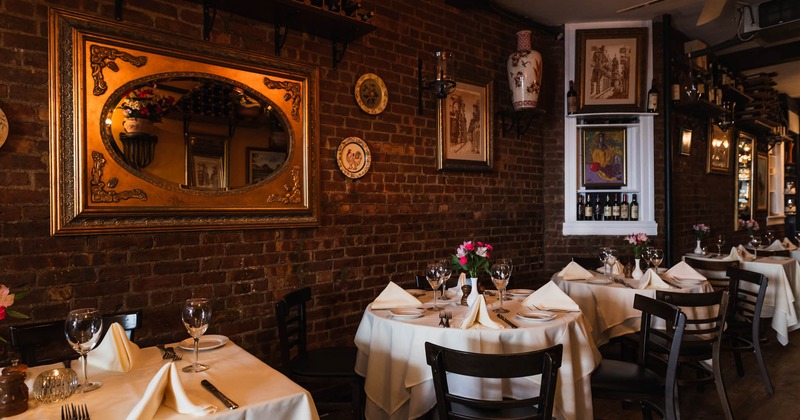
(676,92)
(623,212)
(587,213)
(652,102)
(572,105)
(635,213)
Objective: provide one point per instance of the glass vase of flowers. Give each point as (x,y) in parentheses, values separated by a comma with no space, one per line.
(473,258)
(700,231)
(638,242)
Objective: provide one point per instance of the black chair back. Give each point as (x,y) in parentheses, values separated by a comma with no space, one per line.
(714,271)
(544,362)
(291,316)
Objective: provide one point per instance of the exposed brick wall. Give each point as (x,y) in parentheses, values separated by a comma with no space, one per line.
(385,226)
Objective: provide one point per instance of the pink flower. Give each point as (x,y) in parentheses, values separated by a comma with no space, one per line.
(2,313)
(469,246)
(6,297)
(463,260)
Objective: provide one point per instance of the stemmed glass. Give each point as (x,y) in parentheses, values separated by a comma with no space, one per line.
(720,244)
(434,277)
(797,237)
(510,264)
(196,314)
(656,257)
(82,329)
(755,242)
(603,255)
(445,271)
(769,236)
(500,275)
(611,259)
(646,255)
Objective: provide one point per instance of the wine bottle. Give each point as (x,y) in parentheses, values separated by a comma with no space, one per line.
(572,99)
(598,209)
(588,210)
(634,208)
(623,208)
(652,98)
(607,211)
(581,209)
(615,210)
(350,7)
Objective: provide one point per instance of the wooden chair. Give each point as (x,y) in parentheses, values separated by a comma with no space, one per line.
(640,381)
(702,338)
(744,319)
(44,343)
(544,362)
(321,365)
(715,271)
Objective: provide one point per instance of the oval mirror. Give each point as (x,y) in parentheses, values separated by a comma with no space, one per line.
(197,131)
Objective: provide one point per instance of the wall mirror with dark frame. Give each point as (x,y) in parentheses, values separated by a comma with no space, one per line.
(153,132)
(745,153)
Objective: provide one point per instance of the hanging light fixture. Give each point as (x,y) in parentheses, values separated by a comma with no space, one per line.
(725,120)
(443,82)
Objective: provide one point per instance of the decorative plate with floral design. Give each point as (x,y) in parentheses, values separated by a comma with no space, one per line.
(371,94)
(3,128)
(353,157)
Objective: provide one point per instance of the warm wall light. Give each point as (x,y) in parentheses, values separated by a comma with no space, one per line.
(443,82)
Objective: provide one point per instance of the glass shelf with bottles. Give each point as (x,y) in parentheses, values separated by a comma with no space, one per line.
(607,206)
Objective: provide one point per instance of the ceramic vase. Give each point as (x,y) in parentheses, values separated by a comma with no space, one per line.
(698,249)
(524,73)
(637,271)
(473,294)
(138,125)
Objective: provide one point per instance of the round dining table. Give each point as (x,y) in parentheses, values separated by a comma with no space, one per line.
(398,380)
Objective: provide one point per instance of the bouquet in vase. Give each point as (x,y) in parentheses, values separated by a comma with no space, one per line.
(638,241)
(751,226)
(700,231)
(472,257)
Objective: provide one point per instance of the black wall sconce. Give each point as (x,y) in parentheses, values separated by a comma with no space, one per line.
(725,120)
(443,83)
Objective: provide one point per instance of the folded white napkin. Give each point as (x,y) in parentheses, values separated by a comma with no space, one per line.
(616,268)
(684,271)
(743,254)
(776,246)
(549,297)
(166,388)
(787,244)
(479,314)
(393,296)
(734,254)
(462,280)
(651,280)
(115,353)
(574,271)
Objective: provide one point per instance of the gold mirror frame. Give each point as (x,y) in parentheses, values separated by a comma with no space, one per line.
(95,191)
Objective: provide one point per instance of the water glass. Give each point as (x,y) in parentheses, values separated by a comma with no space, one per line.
(656,257)
(196,315)
(445,271)
(82,329)
(434,277)
(510,264)
(500,276)
(720,244)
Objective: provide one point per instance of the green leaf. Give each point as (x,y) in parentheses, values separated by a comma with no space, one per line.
(20,295)
(15,314)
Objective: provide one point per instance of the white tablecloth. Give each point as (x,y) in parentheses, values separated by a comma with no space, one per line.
(261,391)
(398,381)
(780,303)
(608,308)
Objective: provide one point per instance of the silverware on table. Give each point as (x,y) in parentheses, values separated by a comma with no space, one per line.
(506,320)
(75,412)
(169,353)
(622,282)
(220,396)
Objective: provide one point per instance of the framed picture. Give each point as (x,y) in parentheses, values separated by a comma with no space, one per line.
(610,69)
(207,172)
(762,174)
(719,150)
(465,128)
(686,141)
(261,163)
(603,157)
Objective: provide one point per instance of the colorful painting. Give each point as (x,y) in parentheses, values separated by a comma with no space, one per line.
(604,152)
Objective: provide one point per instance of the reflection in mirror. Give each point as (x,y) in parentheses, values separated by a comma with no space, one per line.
(196,131)
(744,178)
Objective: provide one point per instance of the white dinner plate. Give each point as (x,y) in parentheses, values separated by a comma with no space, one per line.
(535,316)
(416,292)
(407,313)
(207,342)
(519,292)
(598,280)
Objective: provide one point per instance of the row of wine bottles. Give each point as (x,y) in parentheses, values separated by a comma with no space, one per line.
(572,98)
(349,7)
(610,208)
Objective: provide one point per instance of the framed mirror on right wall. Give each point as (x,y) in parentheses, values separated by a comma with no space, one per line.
(745,161)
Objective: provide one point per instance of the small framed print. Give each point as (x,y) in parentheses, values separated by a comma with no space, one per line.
(719,150)
(686,141)
(610,69)
(762,176)
(207,172)
(261,163)
(604,157)
(465,128)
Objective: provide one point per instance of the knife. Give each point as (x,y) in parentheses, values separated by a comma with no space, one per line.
(225,400)
(510,324)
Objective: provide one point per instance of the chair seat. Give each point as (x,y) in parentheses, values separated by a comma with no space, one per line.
(325,362)
(506,413)
(615,376)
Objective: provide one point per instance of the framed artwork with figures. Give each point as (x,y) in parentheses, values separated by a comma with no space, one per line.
(465,128)
(611,66)
(604,157)
(719,150)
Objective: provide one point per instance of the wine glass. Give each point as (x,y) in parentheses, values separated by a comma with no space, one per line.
(656,257)
(445,271)
(196,314)
(603,255)
(611,260)
(82,329)
(646,255)
(432,274)
(720,244)
(755,242)
(500,275)
(510,264)
(769,236)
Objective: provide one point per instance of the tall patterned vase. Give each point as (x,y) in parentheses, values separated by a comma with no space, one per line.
(524,73)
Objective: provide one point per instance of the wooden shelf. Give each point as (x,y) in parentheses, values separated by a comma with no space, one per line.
(699,107)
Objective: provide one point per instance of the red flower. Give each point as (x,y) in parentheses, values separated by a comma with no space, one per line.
(2,313)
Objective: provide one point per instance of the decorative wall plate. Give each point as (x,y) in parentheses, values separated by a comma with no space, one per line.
(371,94)
(3,128)
(353,157)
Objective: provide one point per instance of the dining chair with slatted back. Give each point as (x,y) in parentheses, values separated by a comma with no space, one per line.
(319,365)
(130,322)
(647,381)
(41,343)
(422,282)
(545,362)
(702,339)
(589,263)
(743,330)
(714,271)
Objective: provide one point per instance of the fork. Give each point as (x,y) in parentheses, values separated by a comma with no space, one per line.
(442,318)
(73,412)
(169,353)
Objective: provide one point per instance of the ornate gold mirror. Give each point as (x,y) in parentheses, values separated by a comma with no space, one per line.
(154,132)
